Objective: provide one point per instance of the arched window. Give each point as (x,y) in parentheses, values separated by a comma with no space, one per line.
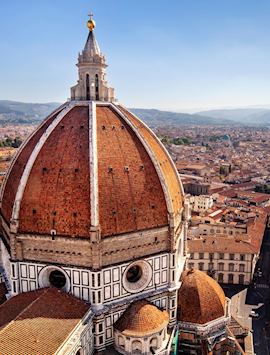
(242,267)
(220,266)
(97,87)
(154,343)
(230,278)
(87,87)
(220,278)
(201,266)
(136,346)
(241,279)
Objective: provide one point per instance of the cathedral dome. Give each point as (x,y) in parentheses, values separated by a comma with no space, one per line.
(141,319)
(200,298)
(92,174)
(91,164)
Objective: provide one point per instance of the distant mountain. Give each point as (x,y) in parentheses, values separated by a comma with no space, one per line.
(12,112)
(248,116)
(156,118)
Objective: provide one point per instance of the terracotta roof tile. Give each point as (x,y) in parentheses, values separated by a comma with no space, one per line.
(17,170)
(256,229)
(38,322)
(130,194)
(200,298)
(220,244)
(57,192)
(142,318)
(169,173)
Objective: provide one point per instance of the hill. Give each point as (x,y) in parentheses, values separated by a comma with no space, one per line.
(19,113)
(156,118)
(16,113)
(247,116)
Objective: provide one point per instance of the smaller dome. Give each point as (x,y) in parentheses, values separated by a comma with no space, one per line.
(200,298)
(142,318)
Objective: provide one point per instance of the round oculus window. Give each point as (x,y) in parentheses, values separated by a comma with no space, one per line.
(137,276)
(57,279)
(134,273)
(54,276)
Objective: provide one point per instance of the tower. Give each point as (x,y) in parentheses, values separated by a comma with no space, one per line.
(92,84)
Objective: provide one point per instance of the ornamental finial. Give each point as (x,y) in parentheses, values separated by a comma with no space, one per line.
(91,23)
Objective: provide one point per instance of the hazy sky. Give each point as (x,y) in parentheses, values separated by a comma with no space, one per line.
(172,54)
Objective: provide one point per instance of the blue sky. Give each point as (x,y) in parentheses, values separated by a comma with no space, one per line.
(170,54)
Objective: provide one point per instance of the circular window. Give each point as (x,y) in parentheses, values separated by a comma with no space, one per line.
(54,276)
(137,276)
(57,279)
(134,273)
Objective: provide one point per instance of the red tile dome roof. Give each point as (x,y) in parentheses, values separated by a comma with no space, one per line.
(91,164)
(142,318)
(200,298)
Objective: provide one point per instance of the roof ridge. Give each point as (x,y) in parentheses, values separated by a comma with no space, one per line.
(215,292)
(197,283)
(44,291)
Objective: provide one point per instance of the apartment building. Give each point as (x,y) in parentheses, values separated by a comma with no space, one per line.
(227,260)
(226,243)
(201,203)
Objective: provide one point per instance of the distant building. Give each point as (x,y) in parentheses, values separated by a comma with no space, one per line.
(225,169)
(226,259)
(196,169)
(201,203)
(250,198)
(226,243)
(196,188)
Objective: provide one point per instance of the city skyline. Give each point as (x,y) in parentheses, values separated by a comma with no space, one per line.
(176,56)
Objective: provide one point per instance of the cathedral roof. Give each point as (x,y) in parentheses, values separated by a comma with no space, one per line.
(200,298)
(91,164)
(38,322)
(142,318)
